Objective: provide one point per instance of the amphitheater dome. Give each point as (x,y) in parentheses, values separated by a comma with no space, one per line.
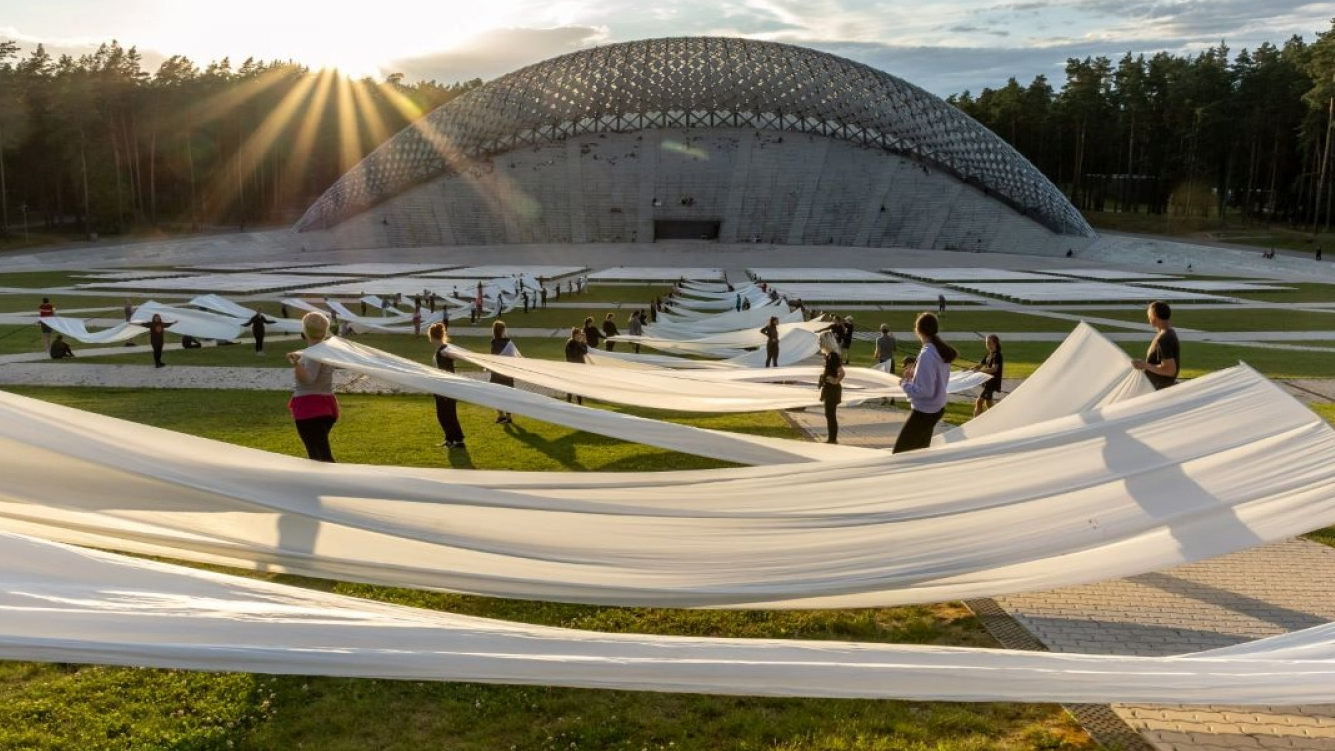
(693,93)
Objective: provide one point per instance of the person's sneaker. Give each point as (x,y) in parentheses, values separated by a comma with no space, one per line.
(446,444)
(159,365)
(459,445)
(500,419)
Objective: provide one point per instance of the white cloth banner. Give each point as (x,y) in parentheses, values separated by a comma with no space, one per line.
(77,329)
(1213,466)
(186,322)
(795,345)
(393,325)
(62,604)
(719,323)
(1085,372)
(703,390)
(725,345)
(223,306)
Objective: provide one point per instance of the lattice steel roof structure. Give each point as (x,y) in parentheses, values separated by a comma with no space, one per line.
(688,82)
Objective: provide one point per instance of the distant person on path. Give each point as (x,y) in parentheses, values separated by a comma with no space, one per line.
(282,310)
(157,338)
(129,310)
(636,327)
(313,405)
(885,348)
(542,296)
(190,342)
(738,305)
(610,330)
(592,336)
(577,350)
(447,409)
(1318,252)
(1163,361)
(45,310)
(525,294)
(256,324)
(502,346)
(60,349)
(771,332)
(831,384)
(992,364)
(925,383)
(417,319)
(940,304)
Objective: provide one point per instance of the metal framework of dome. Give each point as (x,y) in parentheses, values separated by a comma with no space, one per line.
(698,82)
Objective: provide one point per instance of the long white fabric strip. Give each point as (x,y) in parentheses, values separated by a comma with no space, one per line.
(196,323)
(795,345)
(62,604)
(223,306)
(721,323)
(1087,371)
(703,390)
(77,329)
(723,345)
(1212,466)
(392,325)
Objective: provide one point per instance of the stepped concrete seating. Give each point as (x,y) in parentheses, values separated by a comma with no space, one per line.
(761,186)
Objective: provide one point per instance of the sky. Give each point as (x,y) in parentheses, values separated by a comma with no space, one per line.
(945,47)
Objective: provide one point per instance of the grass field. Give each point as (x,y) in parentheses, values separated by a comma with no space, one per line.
(67,706)
(1239,319)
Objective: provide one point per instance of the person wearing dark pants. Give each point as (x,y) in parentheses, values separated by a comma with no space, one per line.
(831,383)
(993,364)
(501,345)
(771,332)
(577,350)
(592,334)
(256,324)
(447,409)
(313,405)
(925,384)
(157,338)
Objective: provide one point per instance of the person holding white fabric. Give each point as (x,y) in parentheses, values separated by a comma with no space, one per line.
(501,345)
(771,332)
(636,327)
(313,405)
(577,351)
(992,364)
(925,383)
(447,409)
(831,383)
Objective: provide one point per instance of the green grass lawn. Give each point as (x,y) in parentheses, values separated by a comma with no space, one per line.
(1302,292)
(67,706)
(27,303)
(1236,319)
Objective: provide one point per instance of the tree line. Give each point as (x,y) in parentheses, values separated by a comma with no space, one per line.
(1191,135)
(98,143)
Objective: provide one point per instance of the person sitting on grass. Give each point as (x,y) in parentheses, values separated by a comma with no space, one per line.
(60,349)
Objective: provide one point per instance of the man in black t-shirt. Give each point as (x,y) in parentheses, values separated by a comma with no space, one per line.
(1164,359)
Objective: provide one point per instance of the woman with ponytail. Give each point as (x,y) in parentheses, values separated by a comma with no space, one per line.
(925,383)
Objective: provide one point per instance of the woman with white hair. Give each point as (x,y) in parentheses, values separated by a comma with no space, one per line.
(831,383)
(313,405)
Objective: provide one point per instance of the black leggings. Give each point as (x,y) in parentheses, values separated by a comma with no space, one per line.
(157,353)
(772,355)
(259,341)
(314,432)
(831,421)
(447,414)
(917,431)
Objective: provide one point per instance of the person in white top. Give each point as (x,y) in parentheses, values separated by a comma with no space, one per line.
(925,383)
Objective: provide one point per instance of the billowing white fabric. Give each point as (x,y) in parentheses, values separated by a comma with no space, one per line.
(725,345)
(703,390)
(1213,466)
(687,307)
(1085,372)
(196,323)
(300,304)
(795,345)
(719,323)
(225,307)
(381,305)
(400,324)
(62,604)
(77,329)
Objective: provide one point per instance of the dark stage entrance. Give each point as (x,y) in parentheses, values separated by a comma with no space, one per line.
(686,229)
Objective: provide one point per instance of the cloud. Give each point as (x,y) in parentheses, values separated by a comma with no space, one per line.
(497,52)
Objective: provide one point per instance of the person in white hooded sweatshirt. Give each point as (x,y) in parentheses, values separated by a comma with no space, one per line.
(925,383)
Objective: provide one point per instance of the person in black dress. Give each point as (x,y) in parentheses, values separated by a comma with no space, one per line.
(256,324)
(501,345)
(577,350)
(992,365)
(771,332)
(1163,362)
(831,383)
(447,409)
(610,330)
